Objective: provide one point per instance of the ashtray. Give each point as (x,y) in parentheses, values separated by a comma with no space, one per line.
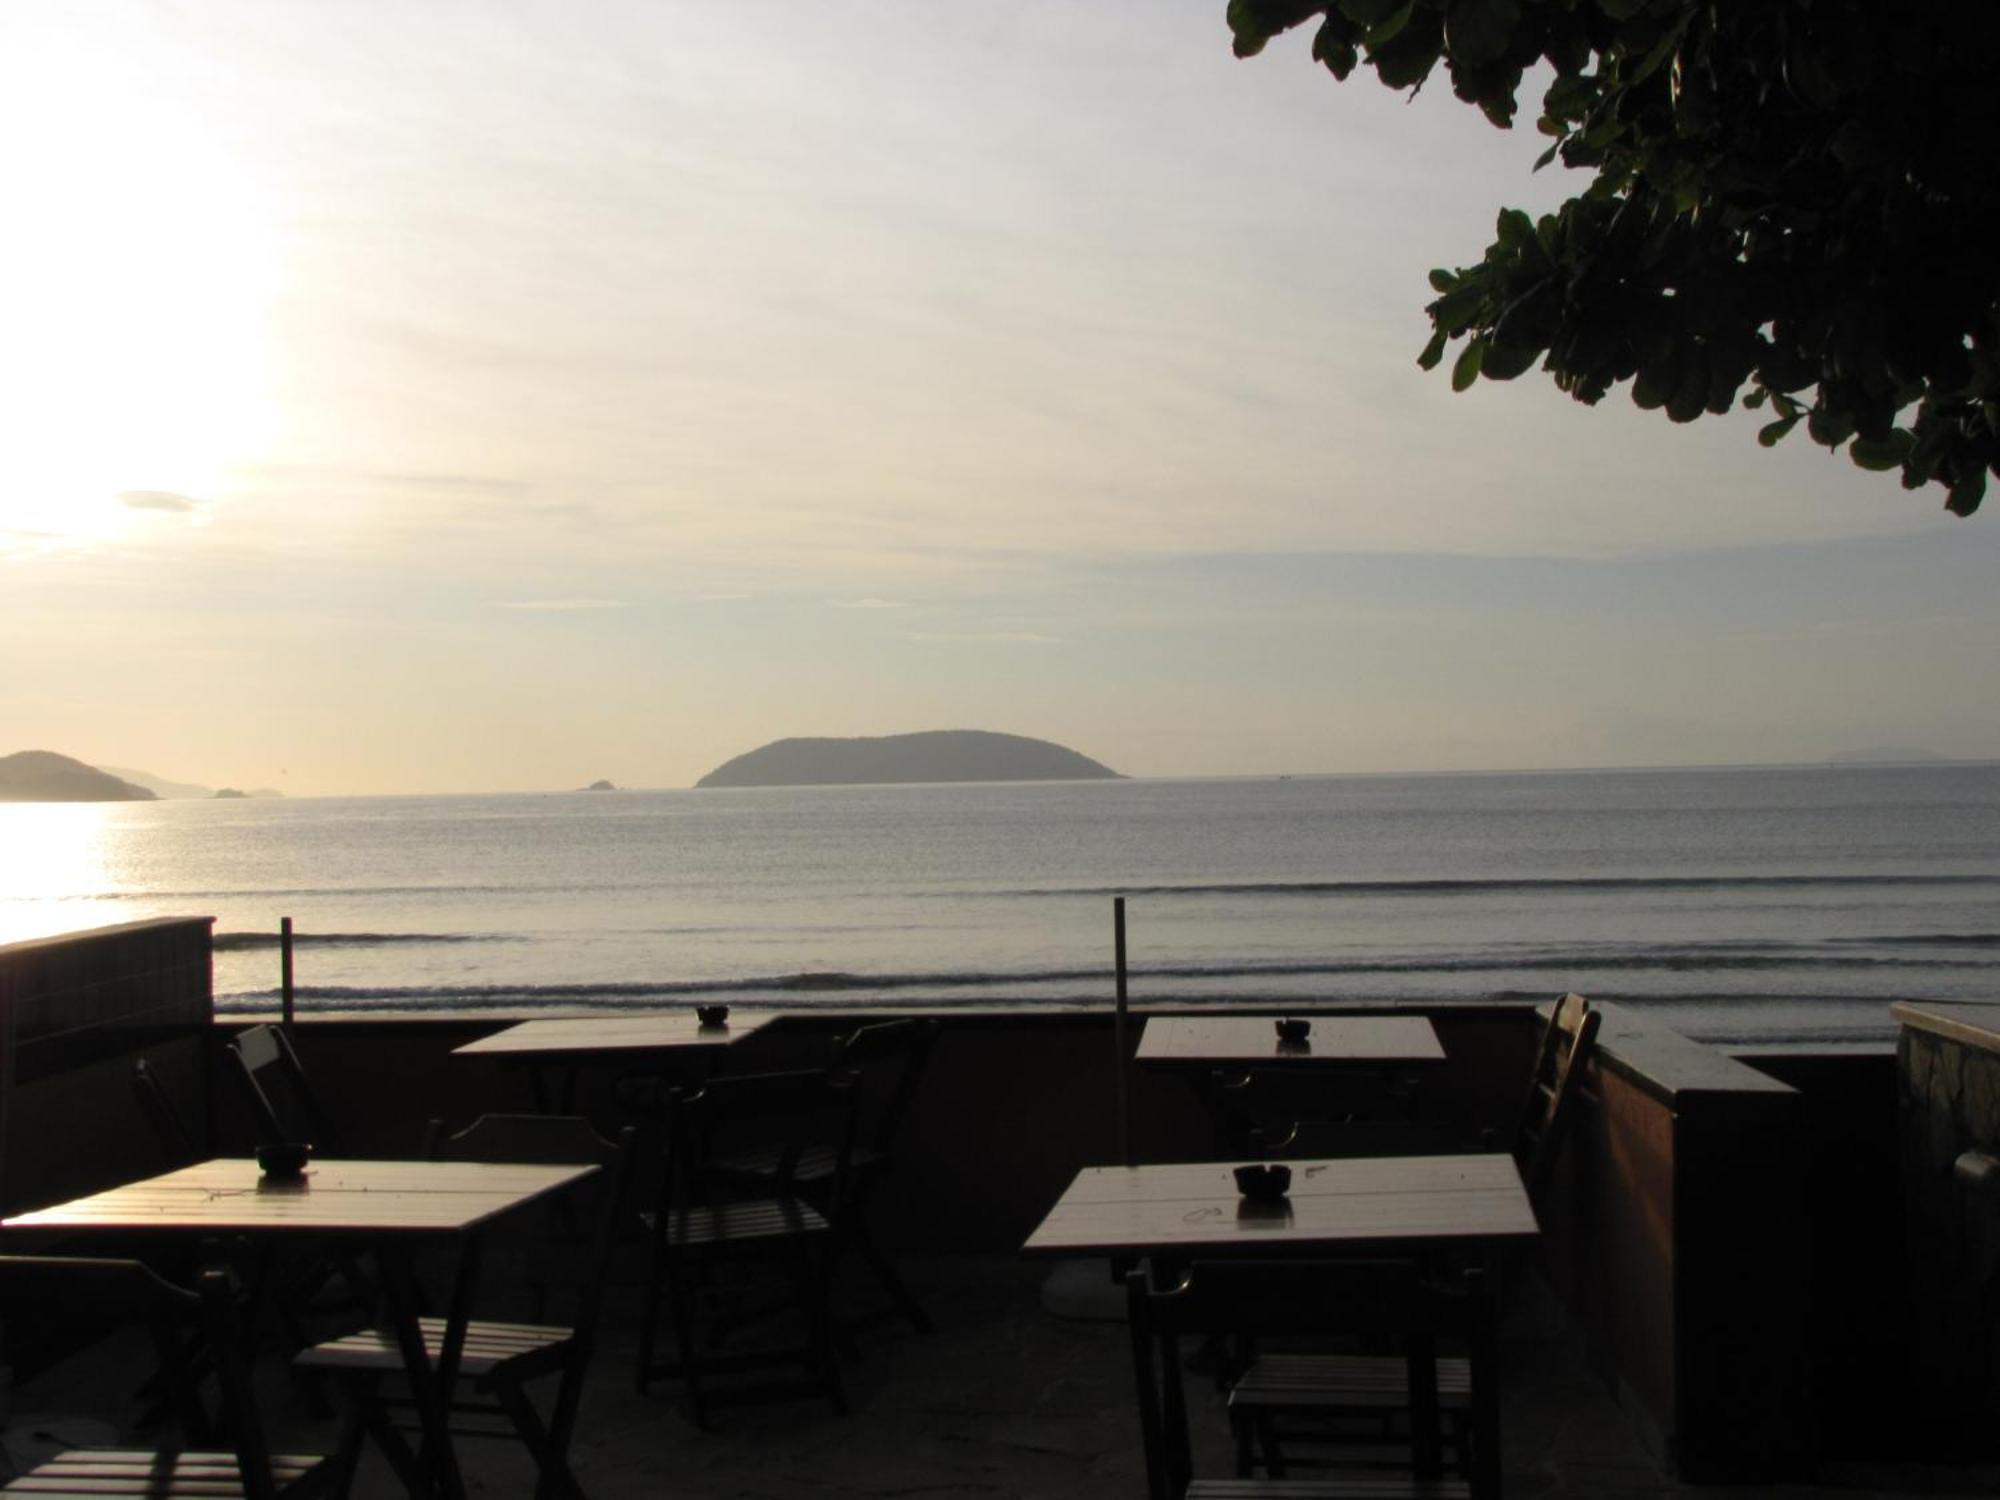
(712,1015)
(1263,1181)
(1293,1028)
(283,1160)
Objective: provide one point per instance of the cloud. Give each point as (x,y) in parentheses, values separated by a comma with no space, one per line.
(562,604)
(157,500)
(867,604)
(989,637)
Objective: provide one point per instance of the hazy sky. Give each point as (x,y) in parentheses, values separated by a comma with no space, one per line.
(472,397)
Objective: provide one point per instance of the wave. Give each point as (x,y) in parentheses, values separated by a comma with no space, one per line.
(307,892)
(823,984)
(1479,887)
(237,942)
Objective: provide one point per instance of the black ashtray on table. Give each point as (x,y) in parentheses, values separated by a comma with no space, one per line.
(1264,1181)
(712,1016)
(1293,1028)
(283,1161)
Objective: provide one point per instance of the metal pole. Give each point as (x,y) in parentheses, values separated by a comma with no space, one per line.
(285,970)
(1118,1035)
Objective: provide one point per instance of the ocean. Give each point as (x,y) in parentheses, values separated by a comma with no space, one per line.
(1738,904)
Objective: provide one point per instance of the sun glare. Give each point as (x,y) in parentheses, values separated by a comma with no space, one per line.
(133,279)
(53,868)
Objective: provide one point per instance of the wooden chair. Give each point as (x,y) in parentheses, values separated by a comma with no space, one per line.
(1268,1299)
(1566,1043)
(888,1060)
(696,1232)
(280,1097)
(131,1293)
(499,1359)
(1319,1388)
(176,1141)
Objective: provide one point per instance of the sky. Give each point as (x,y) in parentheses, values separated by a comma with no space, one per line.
(483,397)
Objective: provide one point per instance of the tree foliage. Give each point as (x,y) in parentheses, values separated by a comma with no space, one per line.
(1800,197)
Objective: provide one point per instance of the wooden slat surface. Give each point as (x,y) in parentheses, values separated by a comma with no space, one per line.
(559,1037)
(229,1195)
(1403,1202)
(1253,1041)
(106,1472)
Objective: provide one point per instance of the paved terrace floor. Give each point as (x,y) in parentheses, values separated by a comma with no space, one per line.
(1004,1400)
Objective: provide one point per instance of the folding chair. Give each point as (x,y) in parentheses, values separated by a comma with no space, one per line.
(697,1232)
(126,1290)
(279,1095)
(499,1359)
(869,1054)
(1268,1299)
(176,1141)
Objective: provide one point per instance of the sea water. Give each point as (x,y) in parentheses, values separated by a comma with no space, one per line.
(1740,904)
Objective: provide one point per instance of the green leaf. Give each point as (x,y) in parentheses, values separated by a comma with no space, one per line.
(1366,13)
(1884,454)
(1457,308)
(1390,27)
(1433,351)
(1504,363)
(1966,494)
(1773,433)
(1513,229)
(1466,370)
(1477,32)
(1334,51)
(1442,280)
(1831,426)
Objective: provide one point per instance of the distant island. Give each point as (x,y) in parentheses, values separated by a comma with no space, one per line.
(1888,755)
(44,776)
(600,786)
(936,755)
(182,791)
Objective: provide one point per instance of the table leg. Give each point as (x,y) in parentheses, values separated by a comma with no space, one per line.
(430,1388)
(1486,1392)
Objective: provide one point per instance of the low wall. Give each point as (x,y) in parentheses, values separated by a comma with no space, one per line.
(75,1013)
(1014,1104)
(1677,1230)
(1948,1066)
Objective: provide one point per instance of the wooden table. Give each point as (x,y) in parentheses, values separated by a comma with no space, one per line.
(1353,1069)
(570,1041)
(1253,1041)
(1364,1205)
(1372,1205)
(389,1204)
